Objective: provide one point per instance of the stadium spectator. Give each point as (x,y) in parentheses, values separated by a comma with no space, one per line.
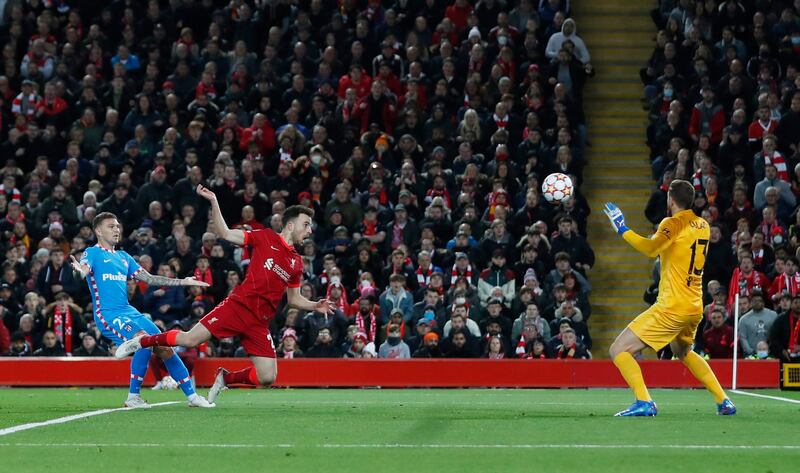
(570,346)
(755,325)
(430,347)
(324,346)
(89,346)
(784,336)
(396,298)
(394,347)
(50,346)
(718,338)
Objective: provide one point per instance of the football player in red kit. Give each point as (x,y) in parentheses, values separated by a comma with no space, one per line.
(275,268)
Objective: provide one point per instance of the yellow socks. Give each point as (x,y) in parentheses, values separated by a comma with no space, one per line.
(630,370)
(700,369)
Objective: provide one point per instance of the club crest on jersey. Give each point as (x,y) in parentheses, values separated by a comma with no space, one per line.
(291,263)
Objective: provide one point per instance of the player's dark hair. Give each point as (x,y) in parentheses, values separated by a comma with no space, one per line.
(100,218)
(295,211)
(682,193)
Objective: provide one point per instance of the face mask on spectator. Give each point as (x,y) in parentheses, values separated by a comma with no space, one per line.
(668,93)
(762,354)
(795,40)
(502,40)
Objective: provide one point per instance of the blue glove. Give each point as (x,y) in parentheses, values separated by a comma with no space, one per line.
(614,215)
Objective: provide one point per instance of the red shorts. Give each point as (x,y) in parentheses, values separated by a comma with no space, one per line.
(232,319)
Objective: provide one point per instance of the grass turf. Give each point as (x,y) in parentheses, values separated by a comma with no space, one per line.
(398,431)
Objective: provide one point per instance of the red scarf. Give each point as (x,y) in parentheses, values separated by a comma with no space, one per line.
(779,162)
(563,352)
(423,279)
(373,329)
(342,303)
(62,326)
(520,351)
(788,283)
(500,122)
(743,284)
(444,194)
(454,275)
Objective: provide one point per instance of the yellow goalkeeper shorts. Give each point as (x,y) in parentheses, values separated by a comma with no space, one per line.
(657,328)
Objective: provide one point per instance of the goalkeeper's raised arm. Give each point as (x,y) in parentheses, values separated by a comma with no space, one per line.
(648,246)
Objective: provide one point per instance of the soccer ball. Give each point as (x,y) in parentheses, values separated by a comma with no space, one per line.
(557,188)
(169,383)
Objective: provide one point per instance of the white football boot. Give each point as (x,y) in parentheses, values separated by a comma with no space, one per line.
(218,386)
(129,347)
(136,402)
(199,401)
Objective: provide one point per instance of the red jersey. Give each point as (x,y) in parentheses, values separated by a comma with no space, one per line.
(274,266)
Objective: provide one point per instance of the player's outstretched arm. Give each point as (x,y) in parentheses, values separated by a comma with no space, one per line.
(156,280)
(648,246)
(234,236)
(295,299)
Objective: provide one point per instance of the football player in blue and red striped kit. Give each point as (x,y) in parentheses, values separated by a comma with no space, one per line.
(107,271)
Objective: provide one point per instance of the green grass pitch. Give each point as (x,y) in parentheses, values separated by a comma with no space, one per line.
(484,430)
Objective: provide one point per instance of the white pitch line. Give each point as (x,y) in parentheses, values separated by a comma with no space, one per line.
(764,396)
(405,446)
(62,420)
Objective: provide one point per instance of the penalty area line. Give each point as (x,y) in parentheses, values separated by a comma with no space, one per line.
(65,419)
(764,396)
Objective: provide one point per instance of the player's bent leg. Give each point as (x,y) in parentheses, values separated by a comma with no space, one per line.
(266,369)
(622,350)
(262,373)
(700,369)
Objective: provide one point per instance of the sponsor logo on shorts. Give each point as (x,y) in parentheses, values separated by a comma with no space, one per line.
(212,320)
(128,328)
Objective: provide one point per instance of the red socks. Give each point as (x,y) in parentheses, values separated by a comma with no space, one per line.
(166,339)
(245,376)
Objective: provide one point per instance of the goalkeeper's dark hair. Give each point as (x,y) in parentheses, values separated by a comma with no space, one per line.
(100,218)
(682,193)
(295,211)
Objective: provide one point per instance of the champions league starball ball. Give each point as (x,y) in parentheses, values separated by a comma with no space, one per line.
(557,188)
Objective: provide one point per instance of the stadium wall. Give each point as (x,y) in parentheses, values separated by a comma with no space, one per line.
(448,373)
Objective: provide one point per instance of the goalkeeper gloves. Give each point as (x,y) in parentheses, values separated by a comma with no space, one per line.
(616,218)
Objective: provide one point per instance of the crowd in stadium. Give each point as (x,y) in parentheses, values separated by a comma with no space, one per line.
(418,130)
(723,90)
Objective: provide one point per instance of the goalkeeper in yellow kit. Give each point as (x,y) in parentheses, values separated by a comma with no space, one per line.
(682,243)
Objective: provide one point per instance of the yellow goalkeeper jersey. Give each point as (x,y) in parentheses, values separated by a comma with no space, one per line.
(682,243)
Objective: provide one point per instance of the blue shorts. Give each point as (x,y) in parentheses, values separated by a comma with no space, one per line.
(121,325)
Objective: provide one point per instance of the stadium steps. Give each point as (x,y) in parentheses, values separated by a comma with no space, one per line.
(619,35)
